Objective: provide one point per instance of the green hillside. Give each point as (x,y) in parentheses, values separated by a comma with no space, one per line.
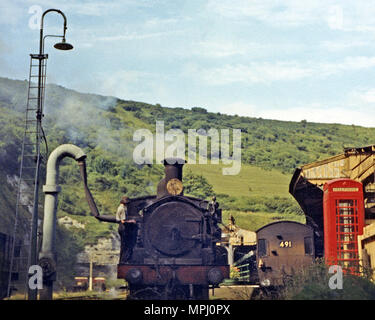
(268,144)
(104,126)
(253,185)
(251,181)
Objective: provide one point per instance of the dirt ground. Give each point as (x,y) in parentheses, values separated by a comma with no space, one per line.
(243,292)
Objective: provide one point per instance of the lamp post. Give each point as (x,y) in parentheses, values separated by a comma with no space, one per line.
(63,45)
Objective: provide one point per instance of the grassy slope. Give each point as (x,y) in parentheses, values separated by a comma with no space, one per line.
(254,220)
(251,181)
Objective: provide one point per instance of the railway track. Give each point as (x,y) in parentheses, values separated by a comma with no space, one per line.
(108,295)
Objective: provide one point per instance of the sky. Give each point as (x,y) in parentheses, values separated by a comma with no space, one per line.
(288,60)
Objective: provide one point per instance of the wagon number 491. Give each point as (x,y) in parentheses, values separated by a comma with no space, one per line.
(285,244)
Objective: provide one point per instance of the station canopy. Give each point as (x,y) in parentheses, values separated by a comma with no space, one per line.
(307,182)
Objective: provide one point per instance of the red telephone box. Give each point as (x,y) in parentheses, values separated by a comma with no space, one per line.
(344,219)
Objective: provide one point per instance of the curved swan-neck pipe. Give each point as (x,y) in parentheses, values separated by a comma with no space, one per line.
(51,190)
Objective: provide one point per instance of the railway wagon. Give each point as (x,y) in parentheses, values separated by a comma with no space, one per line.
(283,248)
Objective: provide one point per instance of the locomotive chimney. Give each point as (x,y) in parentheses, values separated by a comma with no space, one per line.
(173,170)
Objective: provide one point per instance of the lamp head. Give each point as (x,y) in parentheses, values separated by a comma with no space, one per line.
(63,45)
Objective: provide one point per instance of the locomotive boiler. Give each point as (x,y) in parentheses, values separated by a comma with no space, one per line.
(174,253)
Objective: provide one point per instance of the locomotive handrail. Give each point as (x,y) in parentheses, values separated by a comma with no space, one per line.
(168,198)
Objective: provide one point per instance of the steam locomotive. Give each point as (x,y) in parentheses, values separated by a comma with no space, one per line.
(174,255)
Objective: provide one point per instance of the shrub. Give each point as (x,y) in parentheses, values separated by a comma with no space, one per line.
(197,186)
(311,283)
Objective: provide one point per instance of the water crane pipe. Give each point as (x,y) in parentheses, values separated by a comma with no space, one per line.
(90,198)
(47,256)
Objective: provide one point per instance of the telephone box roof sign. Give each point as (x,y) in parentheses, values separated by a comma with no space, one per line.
(342,187)
(307,182)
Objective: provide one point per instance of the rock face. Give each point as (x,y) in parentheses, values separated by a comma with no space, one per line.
(104,254)
(68,222)
(25,191)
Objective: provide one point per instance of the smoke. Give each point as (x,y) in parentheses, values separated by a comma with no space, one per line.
(86,120)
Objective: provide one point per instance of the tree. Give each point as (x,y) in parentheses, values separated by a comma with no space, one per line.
(197,185)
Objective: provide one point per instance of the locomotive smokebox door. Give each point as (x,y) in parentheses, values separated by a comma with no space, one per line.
(172,228)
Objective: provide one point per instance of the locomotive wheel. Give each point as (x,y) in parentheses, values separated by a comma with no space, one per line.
(177,293)
(157,293)
(183,293)
(200,293)
(144,293)
(164,293)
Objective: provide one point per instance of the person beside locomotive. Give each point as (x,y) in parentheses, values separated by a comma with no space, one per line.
(127,230)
